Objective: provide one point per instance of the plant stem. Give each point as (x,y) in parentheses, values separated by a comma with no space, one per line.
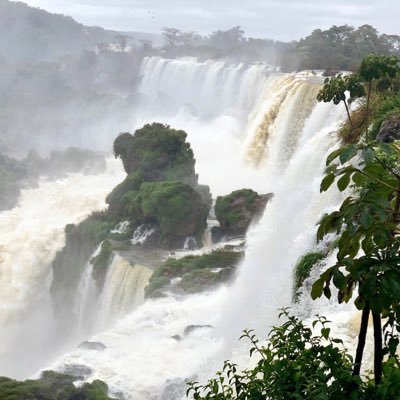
(367,116)
(348,115)
(361,340)
(378,356)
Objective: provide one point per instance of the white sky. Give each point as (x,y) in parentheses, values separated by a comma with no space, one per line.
(278,19)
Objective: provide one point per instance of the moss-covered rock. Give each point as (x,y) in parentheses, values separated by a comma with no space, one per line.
(177,209)
(80,242)
(52,386)
(189,267)
(235,211)
(303,268)
(159,152)
(100,261)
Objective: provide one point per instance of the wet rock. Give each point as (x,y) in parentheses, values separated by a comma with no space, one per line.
(236,211)
(390,129)
(77,370)
(190,328)
(217,234)
(174,389)
(92,346)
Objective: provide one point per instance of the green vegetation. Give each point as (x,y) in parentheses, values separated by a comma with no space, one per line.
(194,270)
(294,364)
(157,152)
(161,186)
(52,386)
(342,48)
(235,211)
(175,206)
(303,268)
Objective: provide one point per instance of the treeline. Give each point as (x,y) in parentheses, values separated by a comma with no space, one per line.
(337,48)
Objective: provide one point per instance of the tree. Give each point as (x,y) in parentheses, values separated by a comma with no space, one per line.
(335,89)
(374,67)
(171,36)
(367,223)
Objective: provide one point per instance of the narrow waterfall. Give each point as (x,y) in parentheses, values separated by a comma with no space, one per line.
(123,290)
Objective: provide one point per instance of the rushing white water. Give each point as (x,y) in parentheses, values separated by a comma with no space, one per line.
(214,102)
(249,127)
(292,135)
(31,234)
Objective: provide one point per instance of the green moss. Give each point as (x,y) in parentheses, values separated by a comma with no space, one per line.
(101,261)
(52,386)
(199,280)
(303,268)
(175,206)
(159,152)
(229,213)
(154,285)
(181,267)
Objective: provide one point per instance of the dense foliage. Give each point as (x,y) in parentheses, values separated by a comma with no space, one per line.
(195,271)
(344,47)
(157,153)
(294,364)
(52,386)
(236,210)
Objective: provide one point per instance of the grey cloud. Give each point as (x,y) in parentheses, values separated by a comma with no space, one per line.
(283,19)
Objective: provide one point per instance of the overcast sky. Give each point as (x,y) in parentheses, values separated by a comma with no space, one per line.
(278,19)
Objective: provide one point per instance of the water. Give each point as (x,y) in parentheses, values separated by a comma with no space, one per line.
(31,235)
(249,127)
(281,143)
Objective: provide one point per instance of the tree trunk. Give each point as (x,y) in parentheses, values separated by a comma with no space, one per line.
(367,116)
(361,340)
(348,115)
(378,356)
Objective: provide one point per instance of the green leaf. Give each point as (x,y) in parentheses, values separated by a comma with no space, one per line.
(368,155)
(366,218)
(343,182)
(359,302)
(334,155)
(339,279)
(327,182)
(325,332)
(317,289)
(347,154)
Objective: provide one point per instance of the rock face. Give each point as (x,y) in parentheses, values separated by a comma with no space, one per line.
(390,129)
(93,346)
(193,274)
(235,211)
(161,187)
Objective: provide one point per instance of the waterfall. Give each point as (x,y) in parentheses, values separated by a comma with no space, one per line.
(31,234)
(249,127)
(123,290)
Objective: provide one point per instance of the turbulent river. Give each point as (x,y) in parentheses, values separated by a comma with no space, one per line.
(249,127)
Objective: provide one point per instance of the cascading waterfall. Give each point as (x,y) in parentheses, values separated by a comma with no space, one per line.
(123,290)
(214,102)
(143,359)
(31,234)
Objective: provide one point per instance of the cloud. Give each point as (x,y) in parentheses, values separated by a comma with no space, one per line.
(283,19)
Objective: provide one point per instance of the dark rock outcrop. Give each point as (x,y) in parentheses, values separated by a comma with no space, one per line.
(390,129)
(236,211)
(191,328)
(98,346)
